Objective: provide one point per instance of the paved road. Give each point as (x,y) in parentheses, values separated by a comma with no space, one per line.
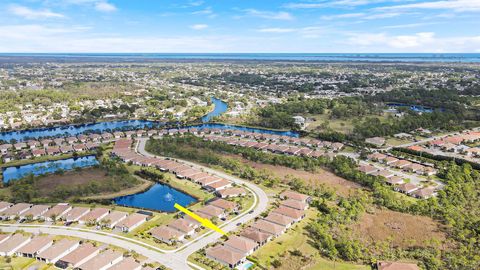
(174,259)
(199,243)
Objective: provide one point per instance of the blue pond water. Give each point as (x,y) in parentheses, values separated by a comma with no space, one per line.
(73,130)
(13,173)
(159,197)
(415,108)
(220,108)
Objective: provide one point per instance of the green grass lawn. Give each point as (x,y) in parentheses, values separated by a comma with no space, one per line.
(17,263)
(296,238)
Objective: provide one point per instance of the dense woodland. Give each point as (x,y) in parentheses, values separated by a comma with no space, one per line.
(457,205)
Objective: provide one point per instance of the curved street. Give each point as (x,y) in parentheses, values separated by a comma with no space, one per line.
(174,259)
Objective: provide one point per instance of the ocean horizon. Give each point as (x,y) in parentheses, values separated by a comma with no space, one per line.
(307,57)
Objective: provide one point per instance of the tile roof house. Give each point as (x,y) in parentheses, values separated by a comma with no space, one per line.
(225,205)
(288,194)
(113,218)
(35,211)
(57,211)
(297,215)
(280,219)
(131,222)
(127,264)
(212,211)
(79,256)
(225,256)
(269,227)
(94,216)
(58,250)
(368,169)
(12,244)
(424,193)
(219,185)
(395,180)
(102,261)
(76,213)
(15,210)
(35,246)
(407,188)
(231,192)
(260,237)
(5,205)
(241,244)
(183,226)
(167,234)
(298,205)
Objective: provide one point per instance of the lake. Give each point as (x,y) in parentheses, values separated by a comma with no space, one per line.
(159,197)
(13,173)
(220,108)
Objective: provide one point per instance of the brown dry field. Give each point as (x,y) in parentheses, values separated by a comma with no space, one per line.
(401,230)
(341,185)
(49,182)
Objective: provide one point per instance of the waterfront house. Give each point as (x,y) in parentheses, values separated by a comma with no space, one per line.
(4,148)
(66,149)
(79,147)
(132,222)
(53,150)
(39,152)
(20,146)
(113,218)
(58,141)
(225,256)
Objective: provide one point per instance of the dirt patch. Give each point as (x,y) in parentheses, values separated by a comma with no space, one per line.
(341,185)
(72,178)
(399,230)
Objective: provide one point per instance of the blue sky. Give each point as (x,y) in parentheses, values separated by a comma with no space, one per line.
(240,26)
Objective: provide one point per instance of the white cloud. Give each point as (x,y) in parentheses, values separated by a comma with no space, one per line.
(453,5)
(276,30)
(199,26)
(29,13)
(343,16)
(338,3)
(104,6)
(281,15)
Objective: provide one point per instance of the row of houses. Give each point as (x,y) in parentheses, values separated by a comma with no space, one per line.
(399,183)
(185,227)
(402,164)
(50,150)
(66,253)
(222,187)
(103,217)
(234,251)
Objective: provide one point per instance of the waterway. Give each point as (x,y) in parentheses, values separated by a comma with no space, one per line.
(47,167)
(159,197)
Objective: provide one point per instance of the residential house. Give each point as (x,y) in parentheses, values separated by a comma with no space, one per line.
(231,192)
(131,222)
(76,213)
(13,243)
(15,211)
(127,264)
(113,218)
(268,227)
(94,216)
(260,238)
(227,206)
(297,215)
(288,194)
(225,256)
(167,234)
(298,205)
(57,211)
(103,261)
(241,244)
(35,246)
(382,265)
(407,188)
(35,212)
(58,250)
(79,256)
(280,219)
